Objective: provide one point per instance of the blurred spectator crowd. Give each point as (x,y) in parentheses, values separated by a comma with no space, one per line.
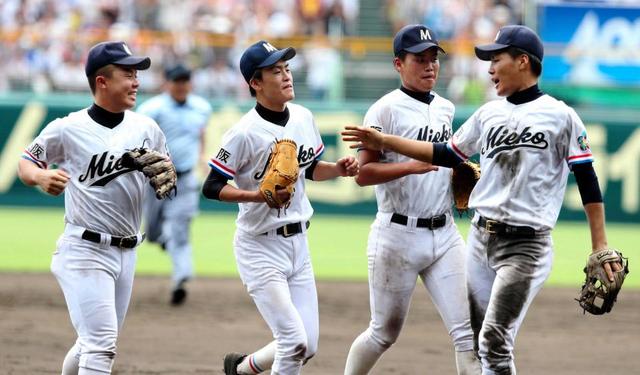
(43,43)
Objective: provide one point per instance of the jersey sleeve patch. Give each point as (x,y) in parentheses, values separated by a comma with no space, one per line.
(32,158)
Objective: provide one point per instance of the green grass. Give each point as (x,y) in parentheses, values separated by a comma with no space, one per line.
(338,245)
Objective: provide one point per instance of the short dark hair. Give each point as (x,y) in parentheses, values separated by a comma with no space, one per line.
(534,62)
(256,75)
(402,55)
(106,71)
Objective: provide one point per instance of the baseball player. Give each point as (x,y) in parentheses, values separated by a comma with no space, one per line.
(528,143)
(270,244)
(414,234)
(95,256)
(183,118)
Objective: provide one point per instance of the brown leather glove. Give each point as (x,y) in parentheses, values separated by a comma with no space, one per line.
(282,173)
(156,166)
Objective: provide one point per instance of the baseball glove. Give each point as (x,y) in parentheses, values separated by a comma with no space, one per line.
(598,294)
(282,173)
(463,179)
(156,166)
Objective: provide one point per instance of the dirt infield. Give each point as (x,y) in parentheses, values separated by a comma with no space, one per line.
(219,317)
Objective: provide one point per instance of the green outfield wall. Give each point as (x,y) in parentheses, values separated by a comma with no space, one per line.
(614,136)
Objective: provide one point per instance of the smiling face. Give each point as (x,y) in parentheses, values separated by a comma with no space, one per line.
(275,88)
(117,88)
(419,71)
(510,74)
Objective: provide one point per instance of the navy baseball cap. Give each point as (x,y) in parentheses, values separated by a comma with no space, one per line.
(177,72)
(261,55)
(415,39)
(118,53)
(512,36)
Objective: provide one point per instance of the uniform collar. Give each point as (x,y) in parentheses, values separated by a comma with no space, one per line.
(104,117)
(425,97)
(527,95)
(278,118)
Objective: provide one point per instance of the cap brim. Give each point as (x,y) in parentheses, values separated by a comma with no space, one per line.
(283,54)
(485,52)
(140,63)
(423,47)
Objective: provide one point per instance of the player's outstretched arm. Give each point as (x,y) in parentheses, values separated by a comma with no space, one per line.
(344,167)
(372,172)
(371,139)
(52,181)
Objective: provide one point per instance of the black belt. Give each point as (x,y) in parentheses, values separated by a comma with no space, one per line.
(182,173)
(496,227)
(431,222)
(289,230)
(128,242)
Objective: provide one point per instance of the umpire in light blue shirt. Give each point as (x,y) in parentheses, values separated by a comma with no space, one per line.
(183,117)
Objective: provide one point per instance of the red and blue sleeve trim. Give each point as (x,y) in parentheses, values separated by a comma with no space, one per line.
(27,156)
(457,151)
(579,159)
(319,151)
(225,171)
(253,365)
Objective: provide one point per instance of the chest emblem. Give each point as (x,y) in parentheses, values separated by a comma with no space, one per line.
(499,139)
(105,168)
(429,134)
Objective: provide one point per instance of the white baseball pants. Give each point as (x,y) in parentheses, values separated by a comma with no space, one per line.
(96,280)
(279,277)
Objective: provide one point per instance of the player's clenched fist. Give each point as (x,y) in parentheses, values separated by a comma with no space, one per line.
(364,137)
(53,181)
(348,166)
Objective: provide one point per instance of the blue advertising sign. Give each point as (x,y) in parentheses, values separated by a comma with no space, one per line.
(591,45)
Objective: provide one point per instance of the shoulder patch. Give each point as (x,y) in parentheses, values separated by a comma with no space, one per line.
(36,151)
(583,141)
(223,155)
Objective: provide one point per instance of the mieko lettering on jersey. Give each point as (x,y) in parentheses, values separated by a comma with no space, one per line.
(500,139)
(105,167)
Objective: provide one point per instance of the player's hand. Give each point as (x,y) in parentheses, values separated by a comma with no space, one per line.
(364,137)
(53,181)
(283,194)
(421,167)
(348,166)
(609,268)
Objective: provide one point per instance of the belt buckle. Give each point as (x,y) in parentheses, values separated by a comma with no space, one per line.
(432,222)
(285,231)
(488,226)
(127,242)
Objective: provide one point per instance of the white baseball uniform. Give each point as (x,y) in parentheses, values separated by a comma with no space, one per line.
(276,269)
(526,151)
(400,252)
(103,198)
